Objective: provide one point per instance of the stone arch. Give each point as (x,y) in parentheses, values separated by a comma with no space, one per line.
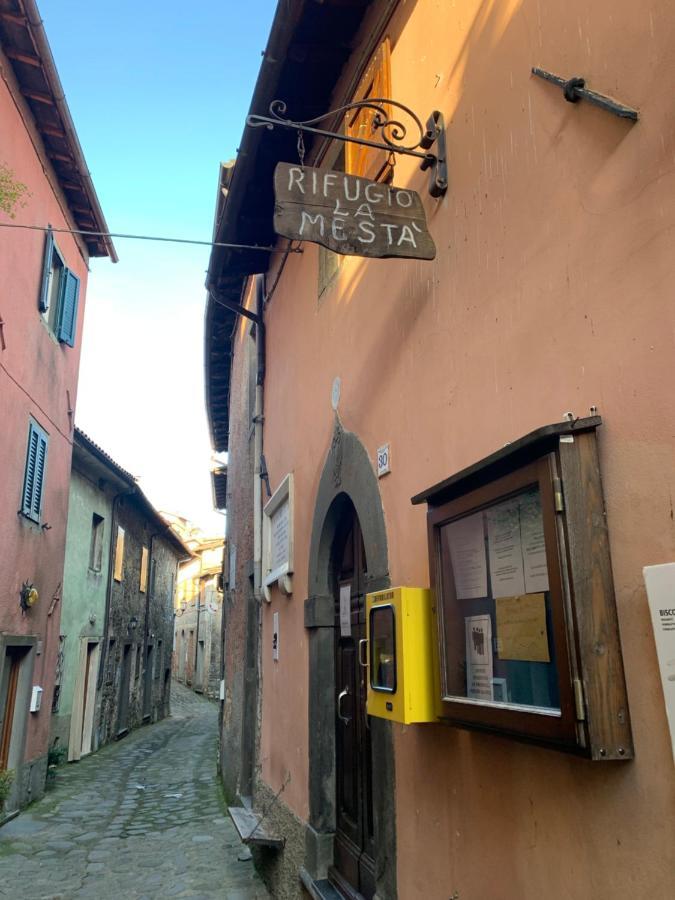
(347,475)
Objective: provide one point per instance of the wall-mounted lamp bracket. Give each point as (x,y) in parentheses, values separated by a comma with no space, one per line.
(574,89)
(393,132)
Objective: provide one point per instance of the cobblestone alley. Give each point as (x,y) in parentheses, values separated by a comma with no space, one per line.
(142,818)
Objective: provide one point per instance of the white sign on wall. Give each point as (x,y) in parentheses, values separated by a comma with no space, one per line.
(660,584)
(345,610)
(383,460)
(278,539)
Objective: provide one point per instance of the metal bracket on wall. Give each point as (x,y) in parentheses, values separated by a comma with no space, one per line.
(393,132)
(574,89)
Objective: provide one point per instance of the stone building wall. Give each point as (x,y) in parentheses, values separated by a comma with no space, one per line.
(140,633)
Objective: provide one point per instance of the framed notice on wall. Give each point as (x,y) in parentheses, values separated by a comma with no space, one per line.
(519,562)
(278,539)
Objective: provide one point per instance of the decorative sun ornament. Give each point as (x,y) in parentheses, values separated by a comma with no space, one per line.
(28,596)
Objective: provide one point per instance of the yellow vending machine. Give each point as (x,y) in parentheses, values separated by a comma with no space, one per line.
(400,655)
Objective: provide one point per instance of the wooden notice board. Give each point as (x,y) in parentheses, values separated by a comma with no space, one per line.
(350,215)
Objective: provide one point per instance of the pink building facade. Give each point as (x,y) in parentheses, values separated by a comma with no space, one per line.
(43,277)
(549,301)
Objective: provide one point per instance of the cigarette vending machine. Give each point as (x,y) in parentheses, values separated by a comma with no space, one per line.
(400,655)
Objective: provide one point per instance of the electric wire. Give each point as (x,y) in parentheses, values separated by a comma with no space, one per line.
(147,237)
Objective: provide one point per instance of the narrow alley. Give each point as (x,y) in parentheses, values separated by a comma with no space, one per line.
(143,818)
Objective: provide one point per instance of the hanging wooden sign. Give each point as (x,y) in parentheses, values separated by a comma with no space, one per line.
(350,215)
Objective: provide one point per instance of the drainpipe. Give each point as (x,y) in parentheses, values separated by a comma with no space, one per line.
(258,420)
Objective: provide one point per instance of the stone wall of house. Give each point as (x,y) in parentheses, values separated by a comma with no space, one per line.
(137,667)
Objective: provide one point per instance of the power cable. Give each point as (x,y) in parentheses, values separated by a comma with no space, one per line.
(147,237)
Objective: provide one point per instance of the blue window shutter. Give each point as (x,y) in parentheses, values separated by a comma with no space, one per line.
(70,295)
(43,303)
(34,476)
(29,477)
(39,476)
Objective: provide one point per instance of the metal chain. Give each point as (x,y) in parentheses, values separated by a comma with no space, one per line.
(301,149)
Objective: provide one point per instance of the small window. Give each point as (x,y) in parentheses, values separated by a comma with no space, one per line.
(369,162)
(330,262)
(329,266)
(119,554)
(96,547)
(144,570)
(383,649)
(59,293)
(34,472)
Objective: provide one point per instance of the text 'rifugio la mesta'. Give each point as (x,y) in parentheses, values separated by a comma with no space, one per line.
(349,214)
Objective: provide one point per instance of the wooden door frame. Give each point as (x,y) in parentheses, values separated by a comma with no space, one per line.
(82,715)
(27,644)
(347,474)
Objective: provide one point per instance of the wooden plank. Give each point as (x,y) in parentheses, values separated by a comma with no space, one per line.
(604,685)
(350,215)
(28,58)
(38,96)
(250,830)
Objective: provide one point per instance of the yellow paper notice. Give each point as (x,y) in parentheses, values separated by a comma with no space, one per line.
(521,628)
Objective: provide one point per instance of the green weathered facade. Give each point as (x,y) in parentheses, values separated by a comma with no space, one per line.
(114,666)
(85,584)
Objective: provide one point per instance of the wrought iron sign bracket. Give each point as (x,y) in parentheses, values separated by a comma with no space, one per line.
(574,89)
(393,132)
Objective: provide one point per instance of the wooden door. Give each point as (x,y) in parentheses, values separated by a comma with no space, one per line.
(9,680)
(89,698)
(354,869)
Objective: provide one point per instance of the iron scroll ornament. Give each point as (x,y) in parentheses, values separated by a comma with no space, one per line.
(393,132)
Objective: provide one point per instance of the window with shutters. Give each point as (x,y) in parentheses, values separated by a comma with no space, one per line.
(369,162)
(59,293)
(119,554)
(34,474)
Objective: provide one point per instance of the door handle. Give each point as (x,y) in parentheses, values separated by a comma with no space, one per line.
(341,697)
(363,659)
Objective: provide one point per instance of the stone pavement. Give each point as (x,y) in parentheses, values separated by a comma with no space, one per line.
(142,818)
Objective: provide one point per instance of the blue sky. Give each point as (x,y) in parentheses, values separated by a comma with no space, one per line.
(158,92)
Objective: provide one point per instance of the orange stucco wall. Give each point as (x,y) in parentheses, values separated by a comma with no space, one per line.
(37,377)
(551,291)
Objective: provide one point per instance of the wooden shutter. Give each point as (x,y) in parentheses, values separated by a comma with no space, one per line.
(144,569)
(33,482)
(70,295)
(119,554)
(376,83)
(43,302)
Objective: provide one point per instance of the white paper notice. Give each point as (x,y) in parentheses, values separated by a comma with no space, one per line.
(506,553)
(467,552)
(660,583)
(534,545)
(478,657)
(345,610)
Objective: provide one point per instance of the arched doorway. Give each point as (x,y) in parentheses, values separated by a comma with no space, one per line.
(351,834)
